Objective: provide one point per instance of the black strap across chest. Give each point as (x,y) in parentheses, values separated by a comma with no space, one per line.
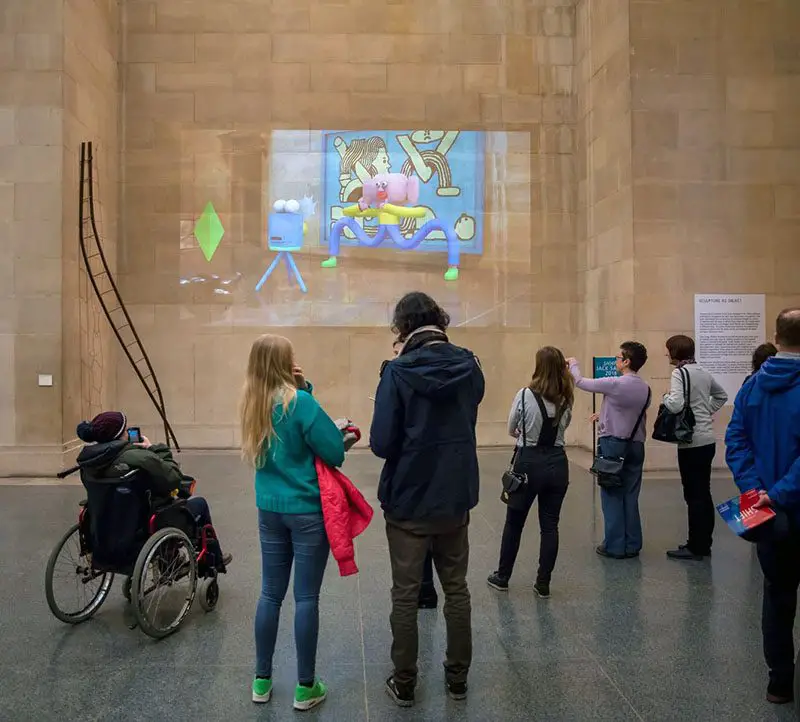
(549,431)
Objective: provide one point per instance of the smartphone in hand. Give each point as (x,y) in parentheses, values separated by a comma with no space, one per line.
(134,435)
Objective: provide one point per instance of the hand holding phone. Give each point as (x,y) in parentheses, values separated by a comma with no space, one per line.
(134,435)
(299,378)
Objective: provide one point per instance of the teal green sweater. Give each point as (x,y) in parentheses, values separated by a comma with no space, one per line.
(287,482)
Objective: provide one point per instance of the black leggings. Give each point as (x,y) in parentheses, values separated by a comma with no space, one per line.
(548,480)
(694,464)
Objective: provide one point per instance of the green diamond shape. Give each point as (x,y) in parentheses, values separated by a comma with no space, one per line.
(209,231)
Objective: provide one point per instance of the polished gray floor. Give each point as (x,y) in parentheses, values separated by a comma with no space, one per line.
(644,639)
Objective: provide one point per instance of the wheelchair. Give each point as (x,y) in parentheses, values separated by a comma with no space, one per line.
(166,567)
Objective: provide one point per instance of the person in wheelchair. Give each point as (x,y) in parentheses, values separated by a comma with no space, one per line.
(154,473)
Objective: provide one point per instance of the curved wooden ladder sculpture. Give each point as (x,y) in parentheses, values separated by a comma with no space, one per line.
(105,288)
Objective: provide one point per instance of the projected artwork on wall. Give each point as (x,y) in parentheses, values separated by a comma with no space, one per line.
(297,227)
(448,165)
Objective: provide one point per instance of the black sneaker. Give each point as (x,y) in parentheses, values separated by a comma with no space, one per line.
(542,590)
(683,553)
(457,690)
(495,581)
(401,696)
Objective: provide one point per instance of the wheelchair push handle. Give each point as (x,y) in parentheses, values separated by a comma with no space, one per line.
(67,472)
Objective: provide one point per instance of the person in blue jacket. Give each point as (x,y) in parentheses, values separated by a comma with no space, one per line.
(763,453)
(423,425)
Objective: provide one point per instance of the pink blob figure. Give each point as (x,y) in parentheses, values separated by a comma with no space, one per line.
(395,188)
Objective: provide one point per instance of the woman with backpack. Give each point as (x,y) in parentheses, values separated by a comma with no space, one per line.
(540,414)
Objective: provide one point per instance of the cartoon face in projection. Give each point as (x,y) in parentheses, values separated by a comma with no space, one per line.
(285,232)
(285,229)
(287,225)
(395,188)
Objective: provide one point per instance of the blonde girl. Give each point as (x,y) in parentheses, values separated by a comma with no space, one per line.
(283,430)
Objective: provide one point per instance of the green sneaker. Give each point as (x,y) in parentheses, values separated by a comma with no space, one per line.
(262,690)
(329,262)
(451,274)
(306,698)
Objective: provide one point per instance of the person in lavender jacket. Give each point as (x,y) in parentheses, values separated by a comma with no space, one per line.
(624,396)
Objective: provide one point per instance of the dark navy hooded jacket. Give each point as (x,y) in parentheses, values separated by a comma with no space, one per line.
(426,408)
(763,437)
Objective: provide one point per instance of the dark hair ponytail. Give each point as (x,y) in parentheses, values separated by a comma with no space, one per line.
(85,432)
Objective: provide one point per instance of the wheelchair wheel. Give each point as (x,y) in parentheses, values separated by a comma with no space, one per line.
(209,594)
(164,582)
(74,590)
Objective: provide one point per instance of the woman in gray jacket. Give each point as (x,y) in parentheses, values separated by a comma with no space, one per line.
(706,397)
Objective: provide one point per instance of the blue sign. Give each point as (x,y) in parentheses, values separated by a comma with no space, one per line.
(448,163)
(604,366)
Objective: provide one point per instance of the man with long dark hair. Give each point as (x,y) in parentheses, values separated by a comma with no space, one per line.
(426,408)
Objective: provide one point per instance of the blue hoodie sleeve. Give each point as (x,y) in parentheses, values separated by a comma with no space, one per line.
(738,454)
(786,491)
(386,431)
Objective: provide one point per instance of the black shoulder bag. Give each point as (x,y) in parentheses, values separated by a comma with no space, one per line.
(515,483)
(676,428)
(608,469)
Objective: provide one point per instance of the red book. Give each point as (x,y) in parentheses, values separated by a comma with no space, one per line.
(740,513)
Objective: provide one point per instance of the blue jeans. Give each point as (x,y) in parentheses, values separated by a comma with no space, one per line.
(287,537)
(623,525)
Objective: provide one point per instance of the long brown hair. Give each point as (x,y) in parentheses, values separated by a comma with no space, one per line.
(552,379)
(269,380)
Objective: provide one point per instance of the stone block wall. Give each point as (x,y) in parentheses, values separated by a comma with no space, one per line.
(715,96)
(210,87)
(57,87)
(31,142)
(688,167)
(605,191)
(92,106)
(637,152)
